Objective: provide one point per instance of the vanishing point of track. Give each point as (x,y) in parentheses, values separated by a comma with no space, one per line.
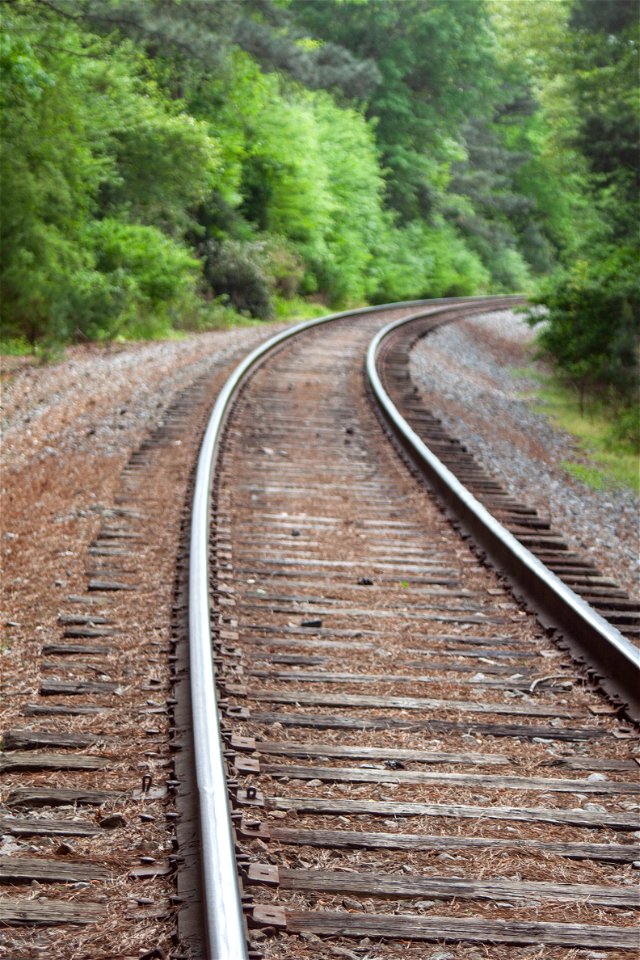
(407,757)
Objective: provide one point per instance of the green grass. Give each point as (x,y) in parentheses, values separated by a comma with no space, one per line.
(14,347)
(592,476)
(221,317)
(299,309)
(215,316)
(613,463)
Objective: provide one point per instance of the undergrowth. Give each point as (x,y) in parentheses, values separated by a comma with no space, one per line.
(614,462)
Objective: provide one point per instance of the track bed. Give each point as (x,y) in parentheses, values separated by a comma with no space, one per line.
(414,761)
(414,768)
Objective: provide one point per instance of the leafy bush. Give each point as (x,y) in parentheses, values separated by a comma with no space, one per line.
(83,134)
(508,270)
(49,177)
(627,426)
(420,261)
(140,283)
(400,267)
(458,271)
(285,266)
(162,165)
(593,325)
(238,270)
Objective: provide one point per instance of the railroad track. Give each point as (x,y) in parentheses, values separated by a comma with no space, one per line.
(408,759)
(388,710)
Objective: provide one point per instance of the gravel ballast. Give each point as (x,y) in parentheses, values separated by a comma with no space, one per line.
(466,373)
(98,450)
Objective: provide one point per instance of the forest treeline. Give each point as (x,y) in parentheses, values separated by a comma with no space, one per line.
(164,160)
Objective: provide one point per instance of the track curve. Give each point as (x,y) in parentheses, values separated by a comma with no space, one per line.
(334,593)
(222,905)
(592,637)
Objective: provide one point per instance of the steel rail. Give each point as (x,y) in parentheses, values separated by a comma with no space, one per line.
(223,914)
(616,660)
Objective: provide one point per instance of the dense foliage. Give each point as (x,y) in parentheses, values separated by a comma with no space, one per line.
(593,296)
(162,159)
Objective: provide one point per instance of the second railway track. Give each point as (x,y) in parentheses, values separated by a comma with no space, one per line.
(412,761)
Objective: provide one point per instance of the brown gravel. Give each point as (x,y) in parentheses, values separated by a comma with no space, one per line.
(69,430)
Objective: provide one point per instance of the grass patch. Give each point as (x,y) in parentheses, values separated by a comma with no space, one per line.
(219,316)
(299,309)
(14,347)
(592,476)
(529,373)
(213,316)
(614,463)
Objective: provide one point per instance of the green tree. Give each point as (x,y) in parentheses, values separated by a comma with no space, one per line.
(604,55)
(355,187)
(92,157)
(143,284)
(432,56)
(592,330)
(158,154)
(49,178)
(158,160)
(593,326)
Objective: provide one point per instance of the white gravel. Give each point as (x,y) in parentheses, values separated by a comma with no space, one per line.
(466,373)
(100,397)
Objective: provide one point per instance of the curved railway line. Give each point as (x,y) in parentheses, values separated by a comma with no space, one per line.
(392,752)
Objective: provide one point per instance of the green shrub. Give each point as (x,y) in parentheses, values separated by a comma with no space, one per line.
(140,282)
(426,261)
(508,270)
(163,165)
(238,271)
(49,177)
(593,324)
(285,266)
(626,427)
